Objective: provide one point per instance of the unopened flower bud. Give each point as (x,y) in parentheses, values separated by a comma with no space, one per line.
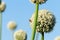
(11,25)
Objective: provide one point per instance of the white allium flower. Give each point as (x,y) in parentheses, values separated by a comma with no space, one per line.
(32,1)
(20,35)
(45,22)
(39,1)
(11,25)
(57,38)
(2,6)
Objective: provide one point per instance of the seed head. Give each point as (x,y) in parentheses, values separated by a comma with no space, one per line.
(45,22)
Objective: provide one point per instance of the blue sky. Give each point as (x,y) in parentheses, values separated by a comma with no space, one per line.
(21,10)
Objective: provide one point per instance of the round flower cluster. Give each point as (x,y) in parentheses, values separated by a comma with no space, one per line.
(45,22)
(38,1)
(57,38)
(11,25)
(2,7)
(20,35)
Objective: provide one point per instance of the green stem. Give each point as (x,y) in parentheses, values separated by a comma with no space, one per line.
(0,1)
(35,22)
(42,38)
(0,25)
(12,34)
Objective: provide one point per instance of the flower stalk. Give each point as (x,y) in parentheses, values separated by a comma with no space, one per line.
(0,25)
(12,26)
(12,35)
(0,1)
(42,34)
(35,22)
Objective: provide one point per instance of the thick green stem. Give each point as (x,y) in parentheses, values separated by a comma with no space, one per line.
(0,1)
(0,25)
(42,38)
(35,22)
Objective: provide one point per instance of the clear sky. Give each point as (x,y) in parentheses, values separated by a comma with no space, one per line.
(21,10)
